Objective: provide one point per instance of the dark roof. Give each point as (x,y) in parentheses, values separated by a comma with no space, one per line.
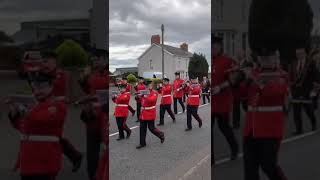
(177,51)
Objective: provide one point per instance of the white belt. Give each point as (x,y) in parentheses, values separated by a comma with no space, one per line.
(122,105)
(265,108)
(148,108)
(168,95)
(193,96)
(60,98)
(40,138)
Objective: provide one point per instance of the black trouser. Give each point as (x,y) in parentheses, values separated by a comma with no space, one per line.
(163,109)
(122,126)
(93,152)
(175,109)
(185,95)
(297,116)
(138,110)
(204,96)
(224,126)
(38,177)
(236,113)
(261,153)
(144,124)
(192,111)
(69,150)
(130,109)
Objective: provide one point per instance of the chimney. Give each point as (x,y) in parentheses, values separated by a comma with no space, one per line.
(155,39)
(184,46)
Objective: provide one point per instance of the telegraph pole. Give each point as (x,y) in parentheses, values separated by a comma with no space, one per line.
(162,31)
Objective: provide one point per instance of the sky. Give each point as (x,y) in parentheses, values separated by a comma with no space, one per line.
(133,22)
(13,12)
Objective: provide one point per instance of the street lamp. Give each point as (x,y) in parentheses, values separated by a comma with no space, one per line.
(162,31)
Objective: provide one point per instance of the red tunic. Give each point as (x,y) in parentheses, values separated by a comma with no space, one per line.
(166,97)
(45,120)
(266,124)
(148,112)
(138,88)
(194,95)
(122,102)
(177,88)
(222,102)
(128,87)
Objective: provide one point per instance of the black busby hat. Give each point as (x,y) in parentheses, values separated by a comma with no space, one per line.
(40,77)
(147,81)
(99,52)
(177,73)
(140,78)
(193,77)
(166,79)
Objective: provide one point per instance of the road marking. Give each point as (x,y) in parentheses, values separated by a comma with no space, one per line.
(194,168)
(291,139)
(134,127)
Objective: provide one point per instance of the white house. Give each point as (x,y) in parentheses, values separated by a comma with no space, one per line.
(230,22)
(175,59)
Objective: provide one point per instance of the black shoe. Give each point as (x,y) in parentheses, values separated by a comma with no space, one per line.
(77,164)
(120,138)
(160,124)
(134,112)
(188,129)
(137,120)
(128,134)
(200,124)
(297,133)
(140,146)
(162,139)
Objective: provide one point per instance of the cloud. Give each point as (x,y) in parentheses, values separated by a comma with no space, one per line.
(133,22)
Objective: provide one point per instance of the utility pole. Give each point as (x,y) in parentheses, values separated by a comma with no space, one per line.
(162,31)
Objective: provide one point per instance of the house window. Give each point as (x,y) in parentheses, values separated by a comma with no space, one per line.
(186,74)
(150,64)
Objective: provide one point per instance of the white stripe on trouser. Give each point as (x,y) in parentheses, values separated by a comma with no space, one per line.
(40,138)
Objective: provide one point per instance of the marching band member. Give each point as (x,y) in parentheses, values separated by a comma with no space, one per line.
(40,155)
(264,122)
(205,89)
(148,116)
(140,86)
(178,92)
(128,89)
(193,102)
(59,92)
(121,111)
(165,91)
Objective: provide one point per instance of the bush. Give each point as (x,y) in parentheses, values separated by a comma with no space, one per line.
(71,54)
(132,79)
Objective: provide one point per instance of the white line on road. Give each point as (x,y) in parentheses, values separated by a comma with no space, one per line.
(134,127)
(194,168)
(225,160)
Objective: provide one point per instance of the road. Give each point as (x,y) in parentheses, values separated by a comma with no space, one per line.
(183,155)
(298,155)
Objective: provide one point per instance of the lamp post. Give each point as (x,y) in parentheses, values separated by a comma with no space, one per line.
(162,31)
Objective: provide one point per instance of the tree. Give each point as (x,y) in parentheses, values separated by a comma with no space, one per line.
(198,66)
(71,54)
(280,24)
(131,79)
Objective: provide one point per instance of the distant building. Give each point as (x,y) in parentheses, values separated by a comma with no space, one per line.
(230,22)
(175,59)
(36,31)
(121,71)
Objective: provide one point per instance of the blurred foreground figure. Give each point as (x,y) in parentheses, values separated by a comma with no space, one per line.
(265,119)
(41,127)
